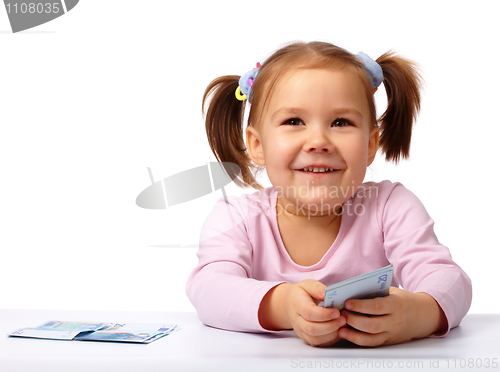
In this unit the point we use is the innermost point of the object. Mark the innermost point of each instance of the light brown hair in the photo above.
(225, 114)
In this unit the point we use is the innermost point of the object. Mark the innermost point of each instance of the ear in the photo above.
(373, 145)
(254, 146)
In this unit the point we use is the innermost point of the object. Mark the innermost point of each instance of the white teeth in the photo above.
(316, 170)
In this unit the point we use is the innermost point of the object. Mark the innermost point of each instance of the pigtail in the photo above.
(402, 83)
(224, 126)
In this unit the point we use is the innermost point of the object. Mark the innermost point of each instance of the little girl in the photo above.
(265, 258)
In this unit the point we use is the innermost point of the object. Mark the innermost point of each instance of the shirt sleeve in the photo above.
(221, 287)
(420, 262)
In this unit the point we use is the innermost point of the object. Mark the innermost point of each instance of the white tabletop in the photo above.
(471, 346)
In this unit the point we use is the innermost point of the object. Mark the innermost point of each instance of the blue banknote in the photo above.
(373, 284)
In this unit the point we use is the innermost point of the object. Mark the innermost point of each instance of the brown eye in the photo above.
(293, 121)
(341, 123)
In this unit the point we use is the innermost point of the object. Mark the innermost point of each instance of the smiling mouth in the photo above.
(317, 170)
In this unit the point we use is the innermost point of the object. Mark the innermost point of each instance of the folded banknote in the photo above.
(373, 284)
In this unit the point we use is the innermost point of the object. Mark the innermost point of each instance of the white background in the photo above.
(91, 99)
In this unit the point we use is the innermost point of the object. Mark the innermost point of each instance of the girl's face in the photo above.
(316, 139)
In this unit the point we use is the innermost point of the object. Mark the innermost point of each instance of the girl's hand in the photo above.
(401, 316)
(314, 324)
(295, 306)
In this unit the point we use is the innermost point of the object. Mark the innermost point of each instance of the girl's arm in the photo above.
(220, 287)
(437, 292)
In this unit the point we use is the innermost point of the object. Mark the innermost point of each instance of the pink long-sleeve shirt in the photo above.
(242, 255)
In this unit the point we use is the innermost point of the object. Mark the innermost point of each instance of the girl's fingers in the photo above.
(363, 323)
(374, 306)
(314, 313)
(319, 329)
(362, 338)
(314, 288)
(322, 340)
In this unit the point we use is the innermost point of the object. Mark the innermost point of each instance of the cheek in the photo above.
(356, 153)
(278, 157)
(278, 150)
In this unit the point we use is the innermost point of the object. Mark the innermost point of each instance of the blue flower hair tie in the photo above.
(372, 68)
(246, 83)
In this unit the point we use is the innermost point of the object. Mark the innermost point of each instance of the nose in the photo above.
(318, 141)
